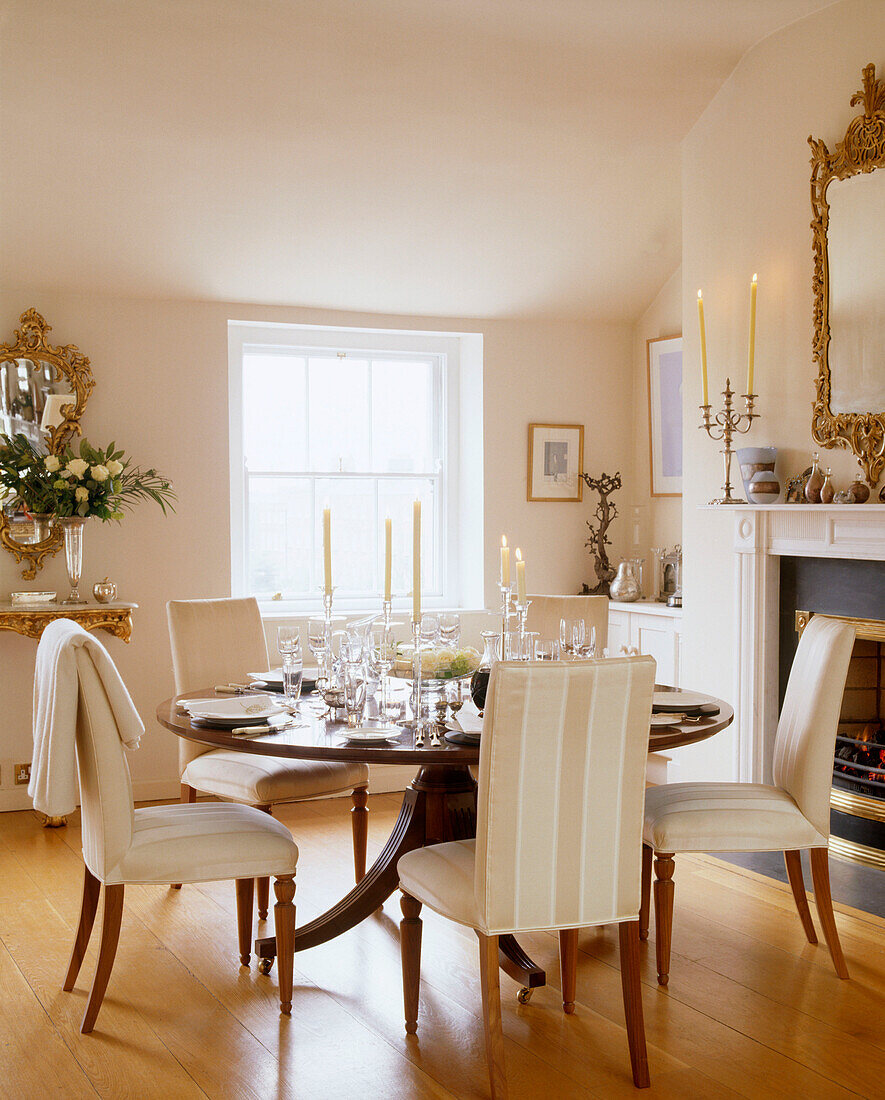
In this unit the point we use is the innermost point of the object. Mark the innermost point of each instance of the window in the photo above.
(364, 421)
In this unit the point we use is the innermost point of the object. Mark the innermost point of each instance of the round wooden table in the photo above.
(438, 805)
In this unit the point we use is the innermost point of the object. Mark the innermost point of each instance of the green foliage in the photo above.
(94, 481)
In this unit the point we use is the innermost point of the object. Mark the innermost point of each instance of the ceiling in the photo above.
(475, 158)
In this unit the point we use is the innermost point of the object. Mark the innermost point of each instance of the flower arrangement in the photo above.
(94, 482)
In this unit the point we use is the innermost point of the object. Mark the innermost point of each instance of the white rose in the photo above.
(115, 468)
(77, 467)
(81, 493)
(100, 473)
(51, 463)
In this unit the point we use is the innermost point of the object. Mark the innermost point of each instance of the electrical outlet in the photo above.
(22, 774)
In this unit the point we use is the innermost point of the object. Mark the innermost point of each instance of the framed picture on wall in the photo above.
(556, 459)
(665, 415)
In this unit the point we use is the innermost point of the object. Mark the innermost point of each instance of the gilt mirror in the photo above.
(43, 392)
(848, 203)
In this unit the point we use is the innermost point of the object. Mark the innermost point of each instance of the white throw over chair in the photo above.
(123, 846)
(788, 816)
(545, 613)
(558, 834)
(221, 641)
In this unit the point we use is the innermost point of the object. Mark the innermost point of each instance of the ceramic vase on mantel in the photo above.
(72, 528)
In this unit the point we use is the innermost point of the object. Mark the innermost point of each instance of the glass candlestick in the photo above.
(327, 636)
(522, 610)
(416, 685)
(506, 593)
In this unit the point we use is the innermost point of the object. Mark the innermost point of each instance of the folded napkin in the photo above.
(54, 786)
(468, 719)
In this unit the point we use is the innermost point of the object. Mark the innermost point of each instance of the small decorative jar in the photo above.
(625, 587)
(764, 488)
(860, 489)
(827, 492)
(815, 481)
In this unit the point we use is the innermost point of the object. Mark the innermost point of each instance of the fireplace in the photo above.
(857, 797)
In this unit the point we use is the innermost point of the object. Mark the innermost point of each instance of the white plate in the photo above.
(661, 721)
(678, 700)
(252, 708)
(372, 735)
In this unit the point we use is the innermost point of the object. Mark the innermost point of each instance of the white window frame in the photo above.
(459, 554)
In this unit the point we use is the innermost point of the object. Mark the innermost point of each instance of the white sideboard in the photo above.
(654, 629)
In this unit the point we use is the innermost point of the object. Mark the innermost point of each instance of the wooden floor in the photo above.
(751, 1009)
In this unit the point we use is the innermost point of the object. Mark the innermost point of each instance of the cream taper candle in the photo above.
(416, 562)
(520, 577)
(752, 352)
(703, 346)
(327, 549)
(505, 563)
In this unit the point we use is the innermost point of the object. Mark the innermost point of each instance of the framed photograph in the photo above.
(665, 415)
(556, 459)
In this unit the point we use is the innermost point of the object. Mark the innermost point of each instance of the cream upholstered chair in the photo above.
(558, 834)
(220, 641)
(151, 846)
(545, 612)
(791, 815)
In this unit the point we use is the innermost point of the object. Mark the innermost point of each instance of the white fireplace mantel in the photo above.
(762, 534)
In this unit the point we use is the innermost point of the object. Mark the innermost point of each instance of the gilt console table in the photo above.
(32, 619)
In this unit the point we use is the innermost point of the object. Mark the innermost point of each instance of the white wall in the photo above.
(746, 208)
(161, 392)
(654, 521)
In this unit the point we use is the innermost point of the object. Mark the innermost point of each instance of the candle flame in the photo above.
(518, 554)
(754, 276)
(700, 295)
(503, 540)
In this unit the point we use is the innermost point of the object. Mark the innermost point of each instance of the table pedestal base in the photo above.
(439, 805)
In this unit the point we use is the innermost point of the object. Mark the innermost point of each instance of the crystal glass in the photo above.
(316, 643)
(572, 633)
(354, 694)
(382, 654)
(289, 645)
(546, 649)
(72, 526)
(429, 629)
(450, 629)
(479, 682)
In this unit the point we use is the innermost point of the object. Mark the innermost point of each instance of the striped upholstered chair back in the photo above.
(561, 793)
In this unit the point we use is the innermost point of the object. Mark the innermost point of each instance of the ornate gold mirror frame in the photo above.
(861, 150)
(30, 343)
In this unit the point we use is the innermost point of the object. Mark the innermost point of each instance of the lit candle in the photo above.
(416, 562)
(505, 563)
(387, 558)
(520, 577)
(752, 355)
(327, 548)
(703, 345)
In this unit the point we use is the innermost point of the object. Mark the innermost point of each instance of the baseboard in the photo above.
(15, 799)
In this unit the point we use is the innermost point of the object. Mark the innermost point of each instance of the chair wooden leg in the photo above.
(410, 928)
(628, 934)
(645, 894)
(491, 1014)
(568, 967)
(88, 907)
(188, 795)
(793, 860)
(820, 877)
(245, 892)
(262, 885)
(284, 926)
(664, 889)
(359, 819)
(110, 935)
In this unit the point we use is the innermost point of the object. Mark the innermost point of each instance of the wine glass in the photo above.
(429, 632)
(450, 629)
(289, 645)
(316, 642)
(565, 637)
(382, 654)
(354, 692)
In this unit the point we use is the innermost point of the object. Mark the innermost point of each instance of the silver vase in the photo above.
(72, 526)
(625, 587)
